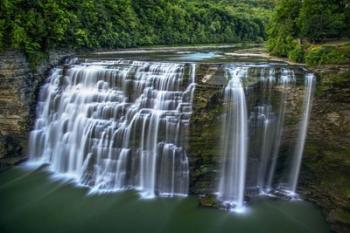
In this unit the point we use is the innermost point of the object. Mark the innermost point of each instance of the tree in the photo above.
(320, 19)
(283, 27)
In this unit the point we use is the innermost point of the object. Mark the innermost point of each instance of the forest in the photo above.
(289, 26)
(39, 25)
(298, 28)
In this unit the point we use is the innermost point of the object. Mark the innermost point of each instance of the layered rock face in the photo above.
(205, 129)
(325, 176)
(19, 85)
(325, 172)
(16, 80)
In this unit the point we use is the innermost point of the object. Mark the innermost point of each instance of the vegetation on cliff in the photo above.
(299, 29)
(39, 25)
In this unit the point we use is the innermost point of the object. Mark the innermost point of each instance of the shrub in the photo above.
(297, 54)
(320, 55)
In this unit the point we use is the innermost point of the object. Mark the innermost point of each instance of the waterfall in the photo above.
(234, 141)
(299, 148)
(120, 125)
(117, 125)
(256, 135)
(286, 79)
(265, 121)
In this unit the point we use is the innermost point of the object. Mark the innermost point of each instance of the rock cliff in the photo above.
(325, 176)
(19, 85)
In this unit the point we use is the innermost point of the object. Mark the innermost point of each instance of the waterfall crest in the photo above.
(117, 125)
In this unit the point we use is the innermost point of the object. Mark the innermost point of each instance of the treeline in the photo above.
(297, 25)
(39, 25)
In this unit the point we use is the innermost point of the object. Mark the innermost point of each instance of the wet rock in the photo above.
(209, 201)
(6, 163)
(325, 175)
(19, 86)
(340, 220)
(205, 132)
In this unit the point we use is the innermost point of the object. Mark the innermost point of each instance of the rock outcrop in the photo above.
(19, 85)
(325, 176)
(205, 128)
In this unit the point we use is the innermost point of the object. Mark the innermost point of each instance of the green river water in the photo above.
(31, 201)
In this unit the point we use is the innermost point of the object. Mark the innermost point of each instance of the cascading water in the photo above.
(234, 146)
(117, 125)
(257, 138)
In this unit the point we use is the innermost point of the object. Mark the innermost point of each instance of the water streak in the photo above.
(234, 147)
(299, 148)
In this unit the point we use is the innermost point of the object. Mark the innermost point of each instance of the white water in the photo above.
(117, 125)
(234, 141)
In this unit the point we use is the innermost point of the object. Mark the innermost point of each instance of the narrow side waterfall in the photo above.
(299, 148)
(117, 125)
(285, 83)
(234, 141)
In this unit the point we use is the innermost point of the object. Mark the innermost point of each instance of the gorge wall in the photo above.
(325, 175)
(19, 85)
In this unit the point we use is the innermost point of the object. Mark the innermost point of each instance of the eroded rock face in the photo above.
(19, 85)
(325, 177)
(15, 76)
(205, 129)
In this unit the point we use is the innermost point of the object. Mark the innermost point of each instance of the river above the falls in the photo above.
(32, 201)
(202, 54)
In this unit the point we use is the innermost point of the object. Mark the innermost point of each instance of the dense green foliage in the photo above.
(38, 25)
(283, 27)
(297, 24)
(324, 55)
